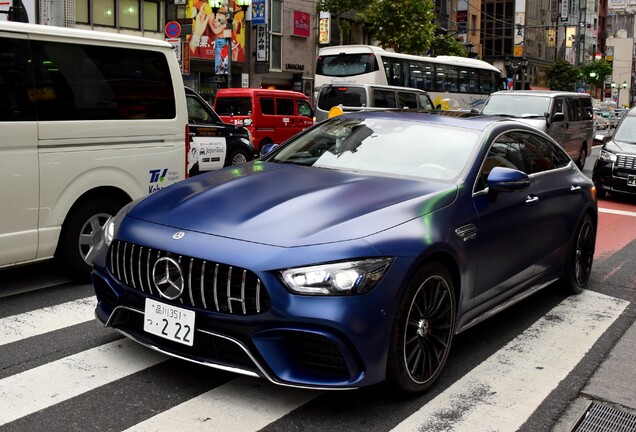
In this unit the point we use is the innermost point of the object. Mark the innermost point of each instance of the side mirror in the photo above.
(557, 117)
(503, 179)
(475, 111)
(268, 148)
(602, 138)
(247, 122)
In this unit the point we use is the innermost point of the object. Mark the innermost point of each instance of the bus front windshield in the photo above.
(344, 65)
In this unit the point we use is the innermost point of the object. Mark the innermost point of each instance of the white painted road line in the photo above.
(30, 391)
(503, 391)
(617, 212)
(28, 324)
(243, 405)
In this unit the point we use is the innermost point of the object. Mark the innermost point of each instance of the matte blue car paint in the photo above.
(299, 216)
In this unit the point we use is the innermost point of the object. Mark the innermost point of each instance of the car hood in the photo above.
(289, 205)
(616, 146)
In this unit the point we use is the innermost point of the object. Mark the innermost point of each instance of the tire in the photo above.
(423, 331)
(582, 157)
(238, 157)
(578, 264)
(81, 232)
(600, 193)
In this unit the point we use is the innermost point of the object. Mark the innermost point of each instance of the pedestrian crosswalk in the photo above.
(498, 394)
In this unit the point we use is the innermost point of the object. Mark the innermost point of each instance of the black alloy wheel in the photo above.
(578, 266)
(423, 331)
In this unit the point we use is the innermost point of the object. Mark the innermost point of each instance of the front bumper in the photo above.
(614, 176)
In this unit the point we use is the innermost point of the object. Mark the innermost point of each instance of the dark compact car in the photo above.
(615, 167)
(213, 144)
(353, 253)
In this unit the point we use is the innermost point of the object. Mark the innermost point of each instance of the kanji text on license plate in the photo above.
(169, 322)
(631, 180)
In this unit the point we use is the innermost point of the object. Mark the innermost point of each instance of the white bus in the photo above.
(452, 82)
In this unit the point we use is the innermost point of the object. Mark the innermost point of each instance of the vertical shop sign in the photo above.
(261, 43)
(259, 14)
(324, 25)
(301, 24)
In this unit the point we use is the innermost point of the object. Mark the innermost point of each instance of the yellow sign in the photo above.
(518, 52)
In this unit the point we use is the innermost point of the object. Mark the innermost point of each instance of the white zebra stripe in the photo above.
(242, 405)
(30, 391)
(503, 391)
(37, 322)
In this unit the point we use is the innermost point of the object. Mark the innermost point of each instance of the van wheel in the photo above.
(238, 157)
(582, 156)
(81, 233)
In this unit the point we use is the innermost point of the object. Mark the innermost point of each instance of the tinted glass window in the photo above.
(87, 82)
(504, 152)
(199, 113)
(407, 100)
(384, 99)
(16, 81)
(267, 105)
(346, 65)
(304, 109)
(284, 106)
(570, 109)
(233, 106)
(346, 96)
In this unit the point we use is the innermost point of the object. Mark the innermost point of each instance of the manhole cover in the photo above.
(602, 418)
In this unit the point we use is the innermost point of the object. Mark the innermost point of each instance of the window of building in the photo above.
(128, 14)
(276, 33)
(104, 12)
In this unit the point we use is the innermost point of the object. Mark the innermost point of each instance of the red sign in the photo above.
(173, 29)
(301, 24)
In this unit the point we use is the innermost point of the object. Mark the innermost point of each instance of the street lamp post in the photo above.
(624, 86)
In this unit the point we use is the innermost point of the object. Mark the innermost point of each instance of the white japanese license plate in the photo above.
(169, 322)
(631, 180)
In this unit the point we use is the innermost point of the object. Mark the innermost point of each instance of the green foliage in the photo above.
(562, 76)
(404, 25)
(595, 73)
(448, 45)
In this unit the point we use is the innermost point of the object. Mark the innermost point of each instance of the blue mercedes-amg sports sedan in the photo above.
(351, 254)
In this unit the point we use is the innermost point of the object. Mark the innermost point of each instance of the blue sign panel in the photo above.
(259, 12)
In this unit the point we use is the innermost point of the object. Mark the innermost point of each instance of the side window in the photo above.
(16, 81)
(542, 155)
(506, 152)
(558, 106)
(304, 109)
(267, 105)
(384, 99)
(229, 106)
(570, 109)
(199, 113)
(91, 82)
(284, 106)
(407, 100)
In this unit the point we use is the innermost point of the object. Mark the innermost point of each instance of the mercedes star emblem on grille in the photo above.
(178, 235)
(168, 279)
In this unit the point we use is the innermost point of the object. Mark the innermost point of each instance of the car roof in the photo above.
(378, 86)
(548, 93)
(251, 91)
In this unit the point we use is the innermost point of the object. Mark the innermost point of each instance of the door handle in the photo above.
(575, 188)
(532, 200)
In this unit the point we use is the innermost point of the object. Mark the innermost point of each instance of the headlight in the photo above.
(109, 231)
(343, 278)
(606, 156)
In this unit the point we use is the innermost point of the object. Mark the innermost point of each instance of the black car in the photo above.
(213, 144)
(615, 168)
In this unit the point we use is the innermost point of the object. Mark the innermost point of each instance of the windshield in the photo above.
(626, 131)
(517, 105)
(382, 146)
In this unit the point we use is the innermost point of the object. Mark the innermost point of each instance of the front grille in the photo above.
(208, 285)
(626, 162)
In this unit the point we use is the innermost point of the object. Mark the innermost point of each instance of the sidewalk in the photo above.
(611, 390)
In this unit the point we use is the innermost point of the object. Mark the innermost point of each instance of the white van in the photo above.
(88, 122)
(355, 97)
